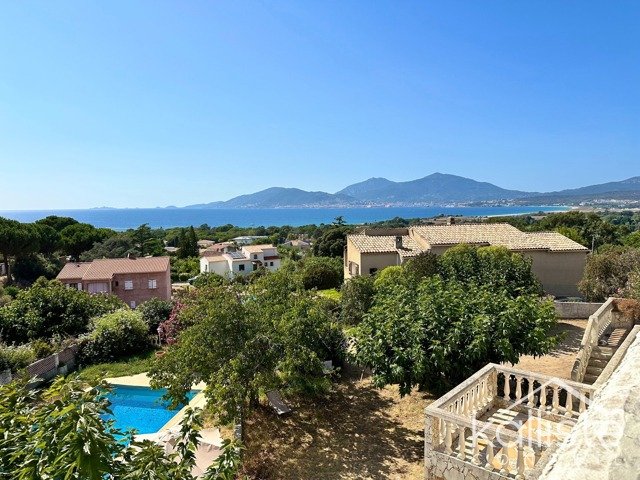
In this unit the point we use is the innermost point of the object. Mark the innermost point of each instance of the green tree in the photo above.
(434, 334)
(187, 243)
(57, 223)
(50, 308)
(632, 240)
(79, 237)
(16, 239)
(113, 247)
(607, 272)
(59, 433)
(114, 335)
(321, 272)
(331, 243)
(356, 300)
(496, 267)
(421, 266)
(155, 311)
(244, 340)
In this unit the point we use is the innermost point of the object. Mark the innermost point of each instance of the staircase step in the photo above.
(594, 370)
(590, 378)
(601, 356)
(604, 349)
(597, 362)
(617, 337)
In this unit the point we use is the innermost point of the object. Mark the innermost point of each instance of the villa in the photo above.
(133, 280)
(241, 262)
(557, 261)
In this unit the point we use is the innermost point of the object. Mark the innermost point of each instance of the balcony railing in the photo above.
(459, 424)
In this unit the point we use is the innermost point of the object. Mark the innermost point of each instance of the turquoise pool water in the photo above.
(140, 407)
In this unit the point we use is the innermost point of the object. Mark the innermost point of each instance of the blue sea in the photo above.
(122, 219)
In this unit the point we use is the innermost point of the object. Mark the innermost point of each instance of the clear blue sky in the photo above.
(150, 103)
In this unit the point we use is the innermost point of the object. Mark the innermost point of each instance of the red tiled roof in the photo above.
(106, 268)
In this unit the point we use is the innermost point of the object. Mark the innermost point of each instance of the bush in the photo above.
(423, 265)
(28, 269)
(49, 308)
(15, 358)
(154, 312)
(115, 335)
(607, 273)
(42, 348)
(212, 279)
(357, 297)
(321, 272)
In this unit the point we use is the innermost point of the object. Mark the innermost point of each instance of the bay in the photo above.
(122, 219)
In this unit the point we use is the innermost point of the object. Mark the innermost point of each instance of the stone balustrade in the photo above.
(460, 435)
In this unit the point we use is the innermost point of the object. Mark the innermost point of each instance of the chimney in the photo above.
(399, 242)
(131, 256)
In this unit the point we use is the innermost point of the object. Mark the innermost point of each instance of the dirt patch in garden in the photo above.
(356, 432)
(559, 362)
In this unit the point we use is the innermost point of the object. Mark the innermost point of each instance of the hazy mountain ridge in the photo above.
(434, 189)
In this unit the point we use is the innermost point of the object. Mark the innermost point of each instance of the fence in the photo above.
(47, 368)
(576, 309)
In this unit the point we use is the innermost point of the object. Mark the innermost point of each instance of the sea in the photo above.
(123, 219)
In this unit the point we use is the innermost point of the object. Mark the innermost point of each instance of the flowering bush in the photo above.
(169, 329)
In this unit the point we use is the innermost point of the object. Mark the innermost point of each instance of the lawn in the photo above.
(331, 293)
(128, 366)
(355, 432)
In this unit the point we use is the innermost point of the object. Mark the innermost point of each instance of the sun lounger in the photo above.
(276, 402)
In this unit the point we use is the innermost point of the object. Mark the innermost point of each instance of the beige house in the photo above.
(557, 261)
(133, 280)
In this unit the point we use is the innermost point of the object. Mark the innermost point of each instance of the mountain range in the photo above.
(434, 189)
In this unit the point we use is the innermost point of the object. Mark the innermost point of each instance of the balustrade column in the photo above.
(520, 461)
(475, 459)
(543, 397)
(518, 387)
(507, 387)
(447, 438)
(568, 406)
(461, 442)
(530, 398)
(555, 402)
(489, 464)
(582, 406)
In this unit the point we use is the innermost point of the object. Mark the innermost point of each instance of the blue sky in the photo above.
(152, 103)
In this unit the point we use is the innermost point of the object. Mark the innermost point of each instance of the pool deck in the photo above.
(142, 380)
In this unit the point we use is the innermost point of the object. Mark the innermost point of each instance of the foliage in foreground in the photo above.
(59, 433)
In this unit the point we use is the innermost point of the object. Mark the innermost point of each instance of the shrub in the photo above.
(321, 272)
(607, 272)
(42, 348)
(15, 358)
(115, 335)
(169, 329)
(205, 279)
(357, 297)
(49, 308)
(154, 312)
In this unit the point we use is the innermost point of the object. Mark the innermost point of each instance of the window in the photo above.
(241, 268)
(128, 284)
(271, 264)
(98, 288)
(133, 304)
(372, 271)
(255, 256)
(255, 267)
(153, 283)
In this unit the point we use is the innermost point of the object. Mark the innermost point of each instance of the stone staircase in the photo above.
(602, 353)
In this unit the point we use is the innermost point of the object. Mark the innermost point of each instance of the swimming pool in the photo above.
(141, 408)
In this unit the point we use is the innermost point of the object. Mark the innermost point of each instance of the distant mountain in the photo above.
(434, 188)
(629, 185)
(278, 197)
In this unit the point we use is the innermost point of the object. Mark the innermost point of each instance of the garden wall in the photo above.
(576, 309)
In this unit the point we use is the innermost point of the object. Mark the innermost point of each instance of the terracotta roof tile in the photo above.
(73, 270)
(385, 244)
(106, 268)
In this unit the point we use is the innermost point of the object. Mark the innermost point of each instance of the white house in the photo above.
(242, 262)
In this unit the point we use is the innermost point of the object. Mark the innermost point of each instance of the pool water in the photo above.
(141, 408)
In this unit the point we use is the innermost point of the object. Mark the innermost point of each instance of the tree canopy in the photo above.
(244, 340)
